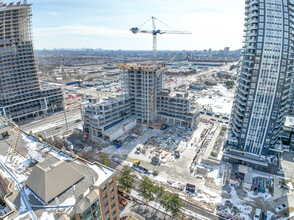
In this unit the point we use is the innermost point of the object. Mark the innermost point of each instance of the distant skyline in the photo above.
(105, 24)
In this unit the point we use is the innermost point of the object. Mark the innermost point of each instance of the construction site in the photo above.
(143, 101)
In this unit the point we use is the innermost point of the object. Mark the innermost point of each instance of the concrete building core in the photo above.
(143, 101)
(22, 96)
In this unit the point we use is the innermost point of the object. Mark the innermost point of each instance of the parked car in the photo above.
(257, 214)
(280, 208)
(280, 172)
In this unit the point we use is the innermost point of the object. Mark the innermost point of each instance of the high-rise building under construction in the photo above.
(143, 101)
(22, 96)
(262, 98)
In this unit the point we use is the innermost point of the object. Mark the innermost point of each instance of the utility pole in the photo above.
(45, 135)
(65, 118)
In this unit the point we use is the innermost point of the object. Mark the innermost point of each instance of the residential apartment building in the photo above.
(262, 98)
(143, 101)
(175, 108)
(22, 96)
(142, 83)
(291, 112)
(101, 115)
(58, 184)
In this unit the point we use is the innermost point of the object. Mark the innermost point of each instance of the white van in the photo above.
(257, 214)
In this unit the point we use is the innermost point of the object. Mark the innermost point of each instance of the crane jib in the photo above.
(154, 32)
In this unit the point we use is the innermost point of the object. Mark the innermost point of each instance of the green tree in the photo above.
(159, 193)
(126, 179)
(173, 203)
(233, 67)
(41, 137)
(229, 84)
(104, 159)
(147, 189)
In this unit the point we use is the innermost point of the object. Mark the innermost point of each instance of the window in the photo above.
(103, 188)
(95, 204)
(107, 211)
(110, 181)
(112, 206)
(104, 196)
(111, 189)
(112, 197)
(106, 204)
(108, 218)
(97, 214)
(114, 212)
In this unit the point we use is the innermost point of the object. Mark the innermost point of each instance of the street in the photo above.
(54, 124)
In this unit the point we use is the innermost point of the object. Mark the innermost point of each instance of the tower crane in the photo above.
(154, 32)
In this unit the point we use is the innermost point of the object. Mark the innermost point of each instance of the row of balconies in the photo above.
(172, 107)
(168, 102)
(27, 72)
(16, 56)
(19, 83)
(20, 65)
(175, 113)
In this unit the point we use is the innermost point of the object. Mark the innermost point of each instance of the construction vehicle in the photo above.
(154, 32)
(155, 172)
(190, 188)
(78, 131)
(177, 154)
(143, 167)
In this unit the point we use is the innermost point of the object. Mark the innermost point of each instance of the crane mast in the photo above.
(154, 39)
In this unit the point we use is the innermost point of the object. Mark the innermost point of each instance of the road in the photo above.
(200, 212)
(54, 124)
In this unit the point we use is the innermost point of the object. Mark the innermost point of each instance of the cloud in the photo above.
(52, 13)
(80, 30)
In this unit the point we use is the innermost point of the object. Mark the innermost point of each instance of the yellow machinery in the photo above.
(136, 162)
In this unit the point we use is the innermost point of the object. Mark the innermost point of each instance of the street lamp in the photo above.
(65, 118)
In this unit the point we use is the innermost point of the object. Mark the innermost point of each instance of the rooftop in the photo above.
(146, 67)
(51, 177)
(36, 183)
(289, 121)
(4, 6)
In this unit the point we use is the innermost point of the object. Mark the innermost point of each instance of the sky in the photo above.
(105, 24)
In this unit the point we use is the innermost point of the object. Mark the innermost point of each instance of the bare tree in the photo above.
(79, 77)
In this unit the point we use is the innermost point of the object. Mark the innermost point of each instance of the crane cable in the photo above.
(145, 22)
(166, 24)
(158, 21)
